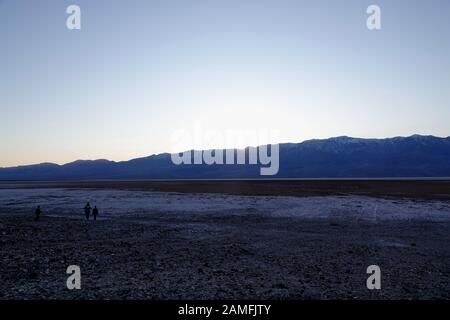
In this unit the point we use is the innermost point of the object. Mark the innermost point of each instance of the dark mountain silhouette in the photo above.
(340, 157)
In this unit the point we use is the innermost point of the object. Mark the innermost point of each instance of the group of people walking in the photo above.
(87, 212)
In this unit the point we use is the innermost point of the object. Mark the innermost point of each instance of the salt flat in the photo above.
(167, 245)
(116, 203)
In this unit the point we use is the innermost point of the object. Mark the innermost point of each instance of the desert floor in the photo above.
(180, 245)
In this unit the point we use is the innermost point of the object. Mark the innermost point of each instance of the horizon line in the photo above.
(164, 153)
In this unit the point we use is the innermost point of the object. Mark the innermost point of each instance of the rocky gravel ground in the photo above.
(222, 256)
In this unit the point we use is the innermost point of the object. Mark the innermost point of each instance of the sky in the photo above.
(142, 76)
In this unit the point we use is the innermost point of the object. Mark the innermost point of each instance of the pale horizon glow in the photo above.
(138, 71)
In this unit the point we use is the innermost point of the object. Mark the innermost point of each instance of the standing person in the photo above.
(87, 210)
(95, 212)
(37, 213)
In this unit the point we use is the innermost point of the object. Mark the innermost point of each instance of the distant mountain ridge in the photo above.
(339, 157)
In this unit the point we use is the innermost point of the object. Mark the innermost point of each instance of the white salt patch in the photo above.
(123, 202)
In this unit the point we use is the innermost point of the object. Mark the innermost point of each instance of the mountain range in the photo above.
(339, 157)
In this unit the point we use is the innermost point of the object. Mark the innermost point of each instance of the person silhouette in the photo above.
(87, 210)
(95, 212)
(37, 213)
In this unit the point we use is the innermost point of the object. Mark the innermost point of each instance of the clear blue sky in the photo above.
(138, 70)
